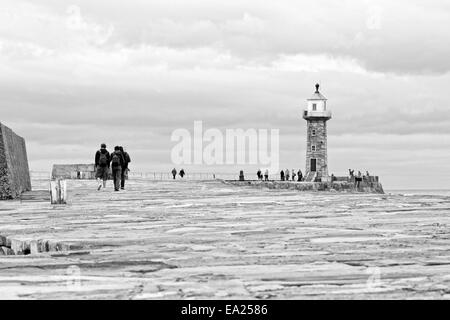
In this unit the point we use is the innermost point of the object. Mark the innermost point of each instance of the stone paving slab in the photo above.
(204, 240)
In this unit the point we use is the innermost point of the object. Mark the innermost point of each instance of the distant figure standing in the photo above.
(282, 175)
(117, 161)
(266, 175)
(287, 175)
(174, 173)
(241, 175)
(300, 175)
(293, 175)
(125, 169)
(182, 173)
(102, 159)
(367, 174)
(259, 174)
(358, 179)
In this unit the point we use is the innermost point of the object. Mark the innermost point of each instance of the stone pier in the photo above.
(209, 240)
(14, 172)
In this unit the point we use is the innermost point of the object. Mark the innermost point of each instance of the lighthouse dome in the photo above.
(317, 95)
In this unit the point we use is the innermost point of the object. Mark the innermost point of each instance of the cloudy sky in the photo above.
(74, 74)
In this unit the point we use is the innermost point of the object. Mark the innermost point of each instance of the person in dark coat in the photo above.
(174, 173)
(259, 174)
(299, 175)
(102, 160)
(282, 175)
(125, 169)
(117, 161)
(182, 173)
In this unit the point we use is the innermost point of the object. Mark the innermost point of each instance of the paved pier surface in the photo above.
(170, 240)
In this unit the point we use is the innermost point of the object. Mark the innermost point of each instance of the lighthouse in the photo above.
(316, 116)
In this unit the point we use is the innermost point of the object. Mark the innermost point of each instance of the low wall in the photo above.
(14, 172)
(73, 171)
(336, 186)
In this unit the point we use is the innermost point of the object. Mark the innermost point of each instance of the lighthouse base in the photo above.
(314, 176)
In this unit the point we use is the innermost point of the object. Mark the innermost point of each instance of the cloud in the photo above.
(317, 63)
(378, 36)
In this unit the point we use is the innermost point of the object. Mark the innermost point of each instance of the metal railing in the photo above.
(187, 176)
(161, 176)
(40, 174)
(157, 175)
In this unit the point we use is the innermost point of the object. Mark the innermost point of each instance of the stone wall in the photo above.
(73, 171)
(336, 186)
(14, 172)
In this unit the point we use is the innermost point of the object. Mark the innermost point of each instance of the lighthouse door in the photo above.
(313, 164)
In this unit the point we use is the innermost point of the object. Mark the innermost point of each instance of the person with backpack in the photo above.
(102, 159)
(125, 169)
(117, 161)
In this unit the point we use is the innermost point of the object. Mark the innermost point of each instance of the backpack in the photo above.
(127, 157)
(103, 159)
(115, 160)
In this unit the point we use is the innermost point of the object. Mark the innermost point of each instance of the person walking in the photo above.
(293, 175)
(299, 175)
(102, 159)
(174, 173)
(266, 175)
(182, 173)
(282, 175)
(117, 161)
(124, 173)
(259, 174)
(351, 173)
(287, 174)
